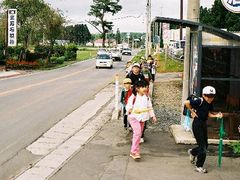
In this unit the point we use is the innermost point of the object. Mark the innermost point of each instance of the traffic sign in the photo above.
(232, 5)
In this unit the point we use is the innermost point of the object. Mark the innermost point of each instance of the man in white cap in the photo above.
(201, 109)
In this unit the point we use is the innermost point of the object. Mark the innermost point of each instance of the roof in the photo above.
(196, 25)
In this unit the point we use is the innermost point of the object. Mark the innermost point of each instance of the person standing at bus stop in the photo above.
(201, 109)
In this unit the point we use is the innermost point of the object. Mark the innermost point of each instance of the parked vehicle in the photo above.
(104, 60)
(116, 54)
(126, 51)
(176, 49)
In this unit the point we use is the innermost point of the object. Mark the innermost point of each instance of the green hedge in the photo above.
(57, 60)
(71, 52)
(58, 50)
(236, 147)
(2, 57)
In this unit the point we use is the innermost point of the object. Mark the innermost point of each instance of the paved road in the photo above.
(32, 104)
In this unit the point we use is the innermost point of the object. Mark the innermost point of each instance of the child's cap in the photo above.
(127, 80)
(145, 65)
(209, 90)
(136, 65)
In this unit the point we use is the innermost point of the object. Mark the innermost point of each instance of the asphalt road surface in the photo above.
(30, 105)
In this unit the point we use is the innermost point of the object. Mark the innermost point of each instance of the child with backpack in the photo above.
(146, 73)
(201, 109)
(139, 109)
(125, 94)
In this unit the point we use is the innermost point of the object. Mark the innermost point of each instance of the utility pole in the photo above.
(148, 45)
(181, 17)
(192, 15)
(150, 28)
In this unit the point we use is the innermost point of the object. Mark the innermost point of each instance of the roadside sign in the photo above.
(12, 27)
(232, 5)
(165, 29)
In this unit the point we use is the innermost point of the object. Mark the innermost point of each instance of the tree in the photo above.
(82, 34)
(28, 11)
(53, 23)
(35, 20)
(78, 34)
(218, 16)
(118, 36)
(100, 9)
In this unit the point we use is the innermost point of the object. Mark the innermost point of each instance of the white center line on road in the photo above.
(42, 83)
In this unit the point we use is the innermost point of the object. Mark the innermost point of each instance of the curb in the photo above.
(10, 75)
(186, 137)
(73, 133)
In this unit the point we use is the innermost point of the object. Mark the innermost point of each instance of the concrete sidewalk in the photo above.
(106, 157)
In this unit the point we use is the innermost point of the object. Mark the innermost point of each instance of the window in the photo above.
(103, 56)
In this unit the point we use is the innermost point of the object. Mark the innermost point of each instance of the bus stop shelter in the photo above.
(214, 60)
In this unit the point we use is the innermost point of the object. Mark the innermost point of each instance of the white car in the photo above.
(116, 55)
(126, 51)
(104, 60)
(102, 51)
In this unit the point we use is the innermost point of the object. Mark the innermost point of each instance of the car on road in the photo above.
(116, 54)
(126, 51)
(104, 60)
(102, 51)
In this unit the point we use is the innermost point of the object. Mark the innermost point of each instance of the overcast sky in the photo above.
(132, 16)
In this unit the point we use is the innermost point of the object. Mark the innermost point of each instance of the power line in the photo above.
(125, 17)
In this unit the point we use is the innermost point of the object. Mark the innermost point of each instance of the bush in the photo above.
(41, 62)
(70, 55)
(34, 56)
(236, 147)
(72, 47)
(53, 59)
(60, 60)
(42, 50)
(57, 60)
(14, 52)
(58, 50)
(71, 52)
(2, 57)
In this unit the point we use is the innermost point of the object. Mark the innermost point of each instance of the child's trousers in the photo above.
(200, 134)
(125, 121)
(137, 127)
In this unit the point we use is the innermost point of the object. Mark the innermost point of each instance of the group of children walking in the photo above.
(137, 105)
(137, 109)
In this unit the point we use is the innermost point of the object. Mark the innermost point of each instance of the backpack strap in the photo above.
(134, 99)
(201, 101)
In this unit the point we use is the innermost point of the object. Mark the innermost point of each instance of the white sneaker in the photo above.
(191, 157)
(142, 140)
(201, 170)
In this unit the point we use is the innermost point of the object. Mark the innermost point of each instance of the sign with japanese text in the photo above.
(12, 27)
(232, 5)
(165, 29)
